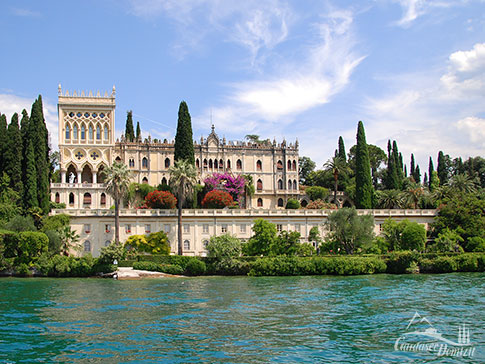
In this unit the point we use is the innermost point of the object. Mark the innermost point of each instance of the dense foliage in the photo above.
(217, 199)
(184, 142)
(154, 243)
(160, 200)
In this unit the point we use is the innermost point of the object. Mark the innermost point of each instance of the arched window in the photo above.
(87, 199)
(280, 184)
(144, 180)
(186, 245)
(131, 162)
(228, 165)
(295, 185)
(204, 243)
(83, 132)
(289, 165)
(106, 133)
(71, 175)
(280, 202)
(164, 181)
(205, 163)
(74, 131)
(144, 162)
(259, 166)
(87, 174)
(91, 132)
(238, 165)
(221, 164)
(107, 243)
(210, 163)
(304, 203)
(197, 163)
(71, 199)
(216, 164)
(87, 246)
(118, 159)
(58, 197)
(68, 132)
(260, 202)
(259, 185)
(167, 162)
(279, 165)
(103, 199)
(294, 165)
(101, 175)
(290, 185)
(98, 132)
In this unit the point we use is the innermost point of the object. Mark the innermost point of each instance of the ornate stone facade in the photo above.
(87, 145)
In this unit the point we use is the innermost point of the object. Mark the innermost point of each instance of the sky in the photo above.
(412, 70)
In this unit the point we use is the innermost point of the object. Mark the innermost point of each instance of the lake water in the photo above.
(235, 319)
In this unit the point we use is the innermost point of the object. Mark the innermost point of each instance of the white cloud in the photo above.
(10, 104)
(25, 12)
(474, 128)
(413, 9)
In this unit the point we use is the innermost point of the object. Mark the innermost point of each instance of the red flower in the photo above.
(217, 199)
(160, 200)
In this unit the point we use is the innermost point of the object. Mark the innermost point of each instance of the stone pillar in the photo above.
(78, 176)
(95, 177)
(63, 177)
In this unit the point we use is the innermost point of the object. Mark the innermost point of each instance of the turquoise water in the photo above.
(234, 319)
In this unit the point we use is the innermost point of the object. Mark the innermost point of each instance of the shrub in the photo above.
(160, 200)
(315, 193)
(444, 265)
(55, 222)
(320, 205)
(112, 252)
(466, 263)
(217, 199)
(23, 270)
(264, 236)
(413, 236)
(154, 243)
(305, 250)
(55, 242)
(224, 246)
(292, 204)
(401, 262)
(229, 267)
(171, 269)
(475, 244)
(195, 267)
(447, 241)
(21, 223)
(152, 266)
(62, 266)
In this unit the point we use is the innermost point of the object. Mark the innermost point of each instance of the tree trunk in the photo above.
(180, 246)
(335, 176)
(117, 220)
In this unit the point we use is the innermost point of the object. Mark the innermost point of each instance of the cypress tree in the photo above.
(430, 172)
(38, 134)
(363, 180)
(184, 142)
(405, 171)
(24, 132)
(425, 181)
(30, 184)
(442, 168)
(13, 155)
(138, 131)
(412, 165)
(391, 177)
(417, 175)
(3, 141)
(341, 149)
(129, 131)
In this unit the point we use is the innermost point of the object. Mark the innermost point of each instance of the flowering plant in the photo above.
(216, 199)
(160, 200)
(234, 185)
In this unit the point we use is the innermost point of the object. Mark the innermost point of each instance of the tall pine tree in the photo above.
(138, 131)
(3, 142)
(363, 180)
(13, 155)
(412, 165)
(430, 172)
(129, 131)
(417, 174)
(442, 168)
(184, 142)
(392, 182)
(30, 197)
(341, 149)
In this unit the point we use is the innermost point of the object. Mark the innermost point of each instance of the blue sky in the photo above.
(411, 70)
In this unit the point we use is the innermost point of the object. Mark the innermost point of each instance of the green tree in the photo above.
(129, 131)
(138, 131)
(184, 143)
(348, 230)
(13, 155)
(253, 138)
(286, 243)
(69, 238)
(417, 174)
(3, 141)
(337, 167)
(392, 180)
(412, 166)
(463, 183)
(376, 157)
(390, 199)
(182, 181)
(292, 204)
(443, 167)
(224, 246)
(305, 166)
(363, 181)
(430, 173)
(264, 236)
(316, 193)
(341, 149)
(413, 194)
(117, 179)
(30, 182)
(447, 241)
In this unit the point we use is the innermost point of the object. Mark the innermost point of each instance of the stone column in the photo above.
(78, 176)
(95, 177)
(63, 177)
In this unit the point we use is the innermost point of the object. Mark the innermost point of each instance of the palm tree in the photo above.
(338, 166)
(413, 194)
(390, 199)
(463, 183)
(182, 180)
(68, 239)
(117, 179)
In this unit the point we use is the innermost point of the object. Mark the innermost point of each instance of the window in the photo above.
(204, 243)
(87, 246)
(280, 202)
(167, 163)
(131, 163)
(279, 165)
(128, 228)
(224, 228)
(205, 163)
(58, 197)
(74, 131)
(228, 165)
(71, 199)
(216, 164)
(91, 132)
(295, 185)
(205, 229)
(107, 243)
(186, 245)
(197, 163)
(290, 184)
(259, 185)
(238, 165)
(68, 132)
(242, 228)
(164, 181)
(280, 184)
(260, 202)
(148, 228)
(210, 163)
(166, 228)
(107, 228)
(106, 135)
(87, 228)
(83, 132)
(186, 228)
(103, 199)
(144, 162)
(87, 199)
(259, 166)
(98, 132)
(279, 228)
(289, 165)
(144, 180)
(221, 164)
(294, 165)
